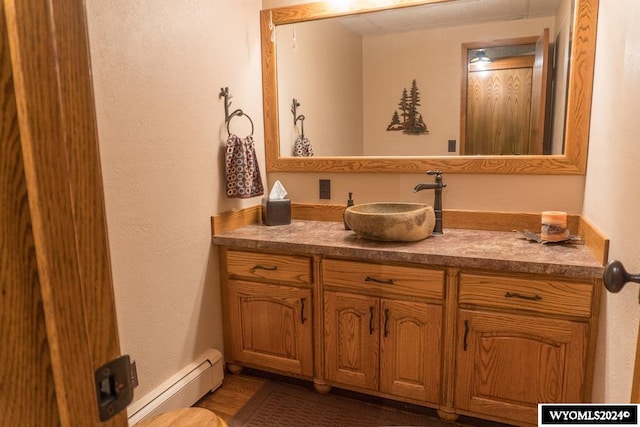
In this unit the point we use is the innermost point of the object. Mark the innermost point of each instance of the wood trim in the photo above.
(317, 212)
(505, 63)
(48, 43)
(499, 221)
(635, 387)
(592, 340)
(76, 91)
(580, 88)
(310, 11)
(225, 298)
(573, 162)
(595, 240)
(464, 88)
(25, 358)
(319, 375)
(227, 221)
(447, 410)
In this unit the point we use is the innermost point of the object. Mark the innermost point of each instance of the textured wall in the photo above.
(611, 196)
(158, 67)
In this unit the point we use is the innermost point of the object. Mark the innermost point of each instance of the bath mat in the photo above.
(279, 404)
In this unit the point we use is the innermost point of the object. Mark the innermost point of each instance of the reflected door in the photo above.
(505, 99)
(499, 107)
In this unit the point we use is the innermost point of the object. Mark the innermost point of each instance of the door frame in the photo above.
(51, 74)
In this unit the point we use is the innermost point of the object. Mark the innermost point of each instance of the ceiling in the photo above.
(460, 12)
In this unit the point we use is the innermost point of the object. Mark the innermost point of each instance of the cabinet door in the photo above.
(410, 349)
(272, 326)
(351, 339)
(507, 363)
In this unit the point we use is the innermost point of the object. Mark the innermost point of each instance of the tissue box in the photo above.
(276, 212)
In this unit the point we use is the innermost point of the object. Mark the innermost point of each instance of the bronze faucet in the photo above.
(437, 203)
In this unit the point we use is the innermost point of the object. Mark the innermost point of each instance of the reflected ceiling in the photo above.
(448, 14)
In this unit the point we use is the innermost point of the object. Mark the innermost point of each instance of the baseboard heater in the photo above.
(181, 390)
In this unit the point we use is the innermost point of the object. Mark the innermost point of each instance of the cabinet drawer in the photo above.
(264, 266)
(410, 281)
(551, 296)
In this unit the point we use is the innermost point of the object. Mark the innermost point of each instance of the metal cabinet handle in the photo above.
(265, 267)
(371, 313)
(386, 321)
(383, 281)
(534, 297)
(302, 318)
(466, 333)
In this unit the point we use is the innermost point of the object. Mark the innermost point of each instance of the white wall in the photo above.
(158, 67)
(612, 200)
(324, 73)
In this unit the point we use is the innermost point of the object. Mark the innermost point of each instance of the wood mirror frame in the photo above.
(578, 109)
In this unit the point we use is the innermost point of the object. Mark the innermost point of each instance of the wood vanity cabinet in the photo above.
(521, 341)
(383, 328)
(267, 305)
(486, 343)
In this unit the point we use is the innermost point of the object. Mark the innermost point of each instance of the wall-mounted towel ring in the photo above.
(224, 93)
(294, 108)
(240, 113)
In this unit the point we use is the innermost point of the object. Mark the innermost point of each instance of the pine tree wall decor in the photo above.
(409, 120)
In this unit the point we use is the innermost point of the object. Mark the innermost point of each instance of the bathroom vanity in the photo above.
(473, 322)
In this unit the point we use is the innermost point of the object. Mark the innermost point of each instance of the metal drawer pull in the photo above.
(302, 318)
(373, 279)
(264, 267)
(370, 320)
(535, 297)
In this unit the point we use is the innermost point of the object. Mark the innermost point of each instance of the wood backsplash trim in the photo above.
(595, 240)
(470, 220)
(227, 221)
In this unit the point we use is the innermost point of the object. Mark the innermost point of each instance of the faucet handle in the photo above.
(438, 175)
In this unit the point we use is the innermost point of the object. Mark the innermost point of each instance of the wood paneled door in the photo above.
(57, 314)
(504, 102)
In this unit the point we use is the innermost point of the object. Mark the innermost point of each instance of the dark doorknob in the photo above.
(615, 276)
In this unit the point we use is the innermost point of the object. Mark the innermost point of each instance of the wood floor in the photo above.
(235, 392)
(238, 389)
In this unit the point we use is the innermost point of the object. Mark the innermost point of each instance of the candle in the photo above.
(554, 226)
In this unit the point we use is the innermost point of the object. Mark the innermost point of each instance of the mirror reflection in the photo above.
(405, 82)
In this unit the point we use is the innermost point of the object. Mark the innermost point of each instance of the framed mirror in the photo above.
(280, 129)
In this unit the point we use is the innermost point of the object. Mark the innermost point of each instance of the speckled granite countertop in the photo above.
(493, 250)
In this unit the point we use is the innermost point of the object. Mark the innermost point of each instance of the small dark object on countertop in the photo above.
(571, 240)
(276, 212)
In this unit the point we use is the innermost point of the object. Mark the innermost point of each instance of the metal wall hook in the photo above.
(294, 108)
(224, 93)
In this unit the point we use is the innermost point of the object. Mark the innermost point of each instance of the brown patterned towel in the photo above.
(302, 147)
(242, 170)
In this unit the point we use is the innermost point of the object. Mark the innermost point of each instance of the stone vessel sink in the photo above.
(391, 222)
